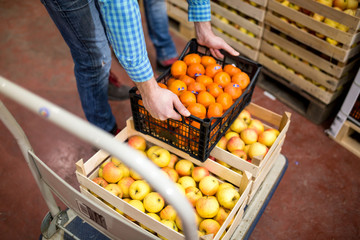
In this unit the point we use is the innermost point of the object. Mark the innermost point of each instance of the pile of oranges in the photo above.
(204, 87)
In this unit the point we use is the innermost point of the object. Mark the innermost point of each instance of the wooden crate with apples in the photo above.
(240, 23)
(304, 43)
(95, 166)
(259, 166)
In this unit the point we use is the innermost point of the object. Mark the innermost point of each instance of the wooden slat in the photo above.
(246, 8)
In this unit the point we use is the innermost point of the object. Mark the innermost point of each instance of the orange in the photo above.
(177, 87)
(204, 80)
(170, 81)
(212, 69)
(231, 69)
(234, 90)
(186, 79)
(195, 70)
(205, 98)
(197, 110)
(187, 98)
(225, 100)
(222, 78)
(196, 87)
(178, 68)
(162, 85)
(207, 60)
(214, 89)
(192, 58)
(242, 79)
(215, 110)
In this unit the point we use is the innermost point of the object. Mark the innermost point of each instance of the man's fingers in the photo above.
(181, 108)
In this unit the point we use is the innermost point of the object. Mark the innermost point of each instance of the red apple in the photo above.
(257, 125)
(235, 143)
(173, 160)
(240, 153)
(207, 206)
(100, 181)
(222, 143)
(267, 138)
(125, 184)
(199, 173)
(192, 193)
(137, 142)
(249, 136)
(172, 173)
(184, 167)
(209, 226)
(111, 173)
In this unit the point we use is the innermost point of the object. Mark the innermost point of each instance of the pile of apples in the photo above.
(247, 138)
(212, 199)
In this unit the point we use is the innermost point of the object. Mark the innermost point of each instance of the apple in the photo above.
(238, 125)
(222, 143)
(198, 220)
(224, 185)
(231, 134)
(275, 131)
(171, 173)
(111, 173)
(267, 138)
(114, 189)
(138, 205)
(328, 3)
(223, 163)
(184, 167)
(199, 173)
(170, 224)
(125, 184)
(257, 149)
(160, 156)
(100, 181)
(135, 175)
(257, 125)
(342, 4)
(153, 202)
(137, 142)
(249, 136)
(352, 4)
(125, 170)
(240, 153)
(331, 23)
(186, 181)
(180, 187)
(228, 197)
(116, 161)
(331, 41)
(237, 170)
(168, 213)
(139, 189)
(193, 194)
(207, 206)
(209, 226)
(222, 214)
(208, 185)
(154, 216)
(173, 160)
(235, 143)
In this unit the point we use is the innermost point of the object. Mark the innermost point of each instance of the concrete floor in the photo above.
(318, 198)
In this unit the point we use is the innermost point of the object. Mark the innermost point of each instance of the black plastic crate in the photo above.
(193, 135)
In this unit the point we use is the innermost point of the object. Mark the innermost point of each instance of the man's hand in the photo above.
(160, 102)
(206, 37)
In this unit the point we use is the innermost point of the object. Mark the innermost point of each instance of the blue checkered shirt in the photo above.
(124, 29)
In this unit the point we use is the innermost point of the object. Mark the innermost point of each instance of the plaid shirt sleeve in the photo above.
(199, 11)
(124, 29)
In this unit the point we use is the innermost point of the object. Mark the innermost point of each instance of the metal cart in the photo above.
(83, 216)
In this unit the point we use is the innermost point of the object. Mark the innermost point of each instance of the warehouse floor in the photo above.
(318, 197)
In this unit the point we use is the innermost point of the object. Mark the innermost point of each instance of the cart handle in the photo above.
(104, 140)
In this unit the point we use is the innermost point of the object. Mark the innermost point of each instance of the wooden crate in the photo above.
(89, 170)
(349, 137)
(307, 61)
(259, 168)
(178, 18)
(240, 23)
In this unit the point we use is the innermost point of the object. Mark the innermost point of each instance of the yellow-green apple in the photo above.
(116, 161)
(168, 212)
(161, 157)
(257, 149)
(207, 206)
(100, 172)
(243, 30)
(275, 131)
(154, 216)
(257, 125)
(285, 3)
(135, 175)
(153, 202)
(171, 173)
(223, 163)
(224, 185)
(180, 187)
(137, 142)
(352, 4)
(125, 170)
(222, 143)
(151, 150)
(199, 173)
(228, 197)
(331, 22)
(235, 143)
(138, 205)
(173, 160)
(342, 4)
(267, 138)
(139, 189)
(238, 125)
(209, 226)
(222, 214)
(100, 181)
(328, 3)
(331, 41)
(192, 193)
(240, 153)
(170, 224)
(184, 167)
(186, 181)
(198, 219)
(209, 185)
(111, 173)
(125, 184)
(237, 170)
(231, 134)
(249, 136)
(114, 189)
